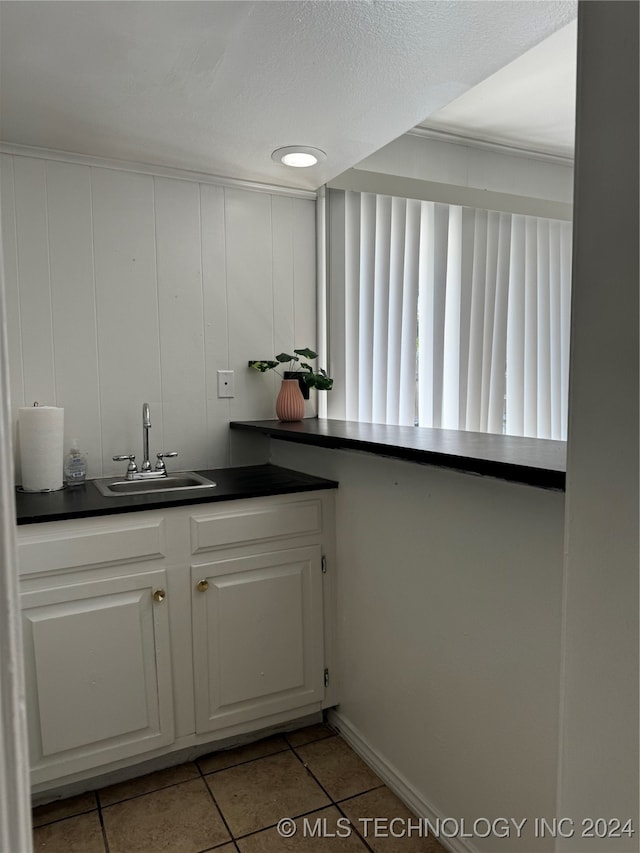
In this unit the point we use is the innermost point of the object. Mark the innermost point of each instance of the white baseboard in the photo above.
(395, 781)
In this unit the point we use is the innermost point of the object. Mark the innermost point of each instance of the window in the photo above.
(448, 316)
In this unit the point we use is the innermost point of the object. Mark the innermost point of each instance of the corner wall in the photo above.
(449, 613)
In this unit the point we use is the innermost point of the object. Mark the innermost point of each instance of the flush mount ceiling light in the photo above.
(298, 156)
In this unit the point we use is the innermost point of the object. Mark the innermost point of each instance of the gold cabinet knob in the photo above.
(159, 595)
(203, 586)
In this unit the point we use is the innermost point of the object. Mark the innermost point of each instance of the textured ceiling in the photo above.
(216, 86)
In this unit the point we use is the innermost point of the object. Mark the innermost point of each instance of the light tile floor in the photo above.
(231, 802)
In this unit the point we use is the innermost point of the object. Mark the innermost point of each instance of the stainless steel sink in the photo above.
(113, 487)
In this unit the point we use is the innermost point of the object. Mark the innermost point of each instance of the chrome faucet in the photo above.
(145, 471)
(146, 426)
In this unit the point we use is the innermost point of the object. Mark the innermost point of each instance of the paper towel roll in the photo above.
(41, 436)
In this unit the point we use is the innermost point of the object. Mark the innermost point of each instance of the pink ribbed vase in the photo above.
(290, 402)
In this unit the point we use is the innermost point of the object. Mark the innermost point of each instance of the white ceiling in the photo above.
(216, 86)
(530, 103)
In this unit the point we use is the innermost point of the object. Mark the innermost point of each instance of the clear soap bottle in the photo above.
(75, 465)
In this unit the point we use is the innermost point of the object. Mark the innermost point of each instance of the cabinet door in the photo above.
(257, 633)
(98, 671)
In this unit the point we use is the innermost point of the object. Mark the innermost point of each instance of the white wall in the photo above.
(599, 746)
(450, 161)
(15, 813)
(124, 288)
(449, 614)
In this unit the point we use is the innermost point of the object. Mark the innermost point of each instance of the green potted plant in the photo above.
(297, 376)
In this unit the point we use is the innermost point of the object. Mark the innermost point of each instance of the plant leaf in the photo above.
(263, 366)
(306, 366)
(317, 380)
(306, 353)
(324, 383)
(285, 357)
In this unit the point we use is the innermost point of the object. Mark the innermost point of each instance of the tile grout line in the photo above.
(308, 770)
(164, 788)
(360, 794)
(66, 817)
(351, 823)
(230, 840)
(217, 807)
(239, 764)
(105, 839)
(274, 825)
(268, 755)
(336, 803)
(244, 763)
(146, 793)
(331, 803)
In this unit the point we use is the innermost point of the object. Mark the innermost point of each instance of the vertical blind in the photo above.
(448, 316)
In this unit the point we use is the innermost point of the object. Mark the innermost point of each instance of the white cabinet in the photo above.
(257, 636)
(153, 631)
(257, 592)
(98, 672)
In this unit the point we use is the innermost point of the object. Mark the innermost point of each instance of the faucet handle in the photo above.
(161, 457)
(131, 467)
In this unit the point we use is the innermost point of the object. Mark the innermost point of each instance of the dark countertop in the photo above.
(536, 462)
(232, 484)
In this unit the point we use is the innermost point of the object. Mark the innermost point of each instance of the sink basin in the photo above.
(185, 481)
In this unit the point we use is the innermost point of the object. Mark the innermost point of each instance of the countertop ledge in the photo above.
(84, 501)
(532, 461)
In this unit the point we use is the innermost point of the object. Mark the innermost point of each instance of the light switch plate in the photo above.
(225, 383)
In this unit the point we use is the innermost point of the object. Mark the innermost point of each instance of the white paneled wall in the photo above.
(124, 288)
